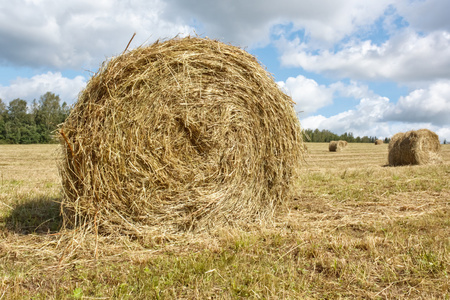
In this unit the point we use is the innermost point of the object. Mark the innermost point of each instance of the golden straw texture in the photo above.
(336, 146)
(414, 148)
(180, 135)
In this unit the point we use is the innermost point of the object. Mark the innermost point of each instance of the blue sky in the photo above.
(372, 68)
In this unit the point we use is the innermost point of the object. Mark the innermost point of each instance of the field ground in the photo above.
(356, 229)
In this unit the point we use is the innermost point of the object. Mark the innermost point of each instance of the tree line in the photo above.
(35, 124)
(326, 136)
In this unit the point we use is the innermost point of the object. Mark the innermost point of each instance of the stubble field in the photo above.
(356, 229)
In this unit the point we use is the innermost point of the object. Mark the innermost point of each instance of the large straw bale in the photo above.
(186, 133)
(379, 142)
(414, 148)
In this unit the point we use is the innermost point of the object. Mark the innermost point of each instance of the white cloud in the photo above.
(444, 134)
(36, 86)
(308, 95)
(354, 90)
(378, 116)
(249, 22)
(431, 104)
(426, 15)
(361, 121)
(368, 120)
(78, 33)
(406, 57)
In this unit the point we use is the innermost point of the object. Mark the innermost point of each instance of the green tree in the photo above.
(17, 110)
(20, 124)
(16, 121)
(3, 116)
(48, 114)
(366, 139)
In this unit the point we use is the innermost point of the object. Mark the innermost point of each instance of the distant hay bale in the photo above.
(183, 134)
(414, 148)
(379, 142)
(336, 146)
(343, 143)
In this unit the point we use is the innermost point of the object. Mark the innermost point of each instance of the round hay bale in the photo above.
(183, 134)
(379, 142)
(334, 146)
(414, 148)
(343, 143)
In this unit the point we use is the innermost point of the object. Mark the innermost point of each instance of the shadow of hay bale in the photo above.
(184, 134)
(36, 215)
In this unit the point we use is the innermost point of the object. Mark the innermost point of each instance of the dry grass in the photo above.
(357, 229)
(186, 134)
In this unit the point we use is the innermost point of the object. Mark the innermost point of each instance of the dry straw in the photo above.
(333, 146)
(336, 146)
(379, 142)
(180, 135)
(343, 143)
(414, 148)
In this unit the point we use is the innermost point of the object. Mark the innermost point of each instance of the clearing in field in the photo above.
(356, 228)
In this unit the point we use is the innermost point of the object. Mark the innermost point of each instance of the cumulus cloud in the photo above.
(74, 33)
(36, 86)
(431, 105)
(361, 121)
(368, 119)
(429, 15)
(378, 116)
(443, 133)
(308, 95)
(406, 57)
(250, 22)
(354, 90)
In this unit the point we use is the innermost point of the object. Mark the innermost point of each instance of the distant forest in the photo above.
(36, 124)
(322, 136)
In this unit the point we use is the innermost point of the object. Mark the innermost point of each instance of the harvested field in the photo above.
(356, 229)
(355, 155)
